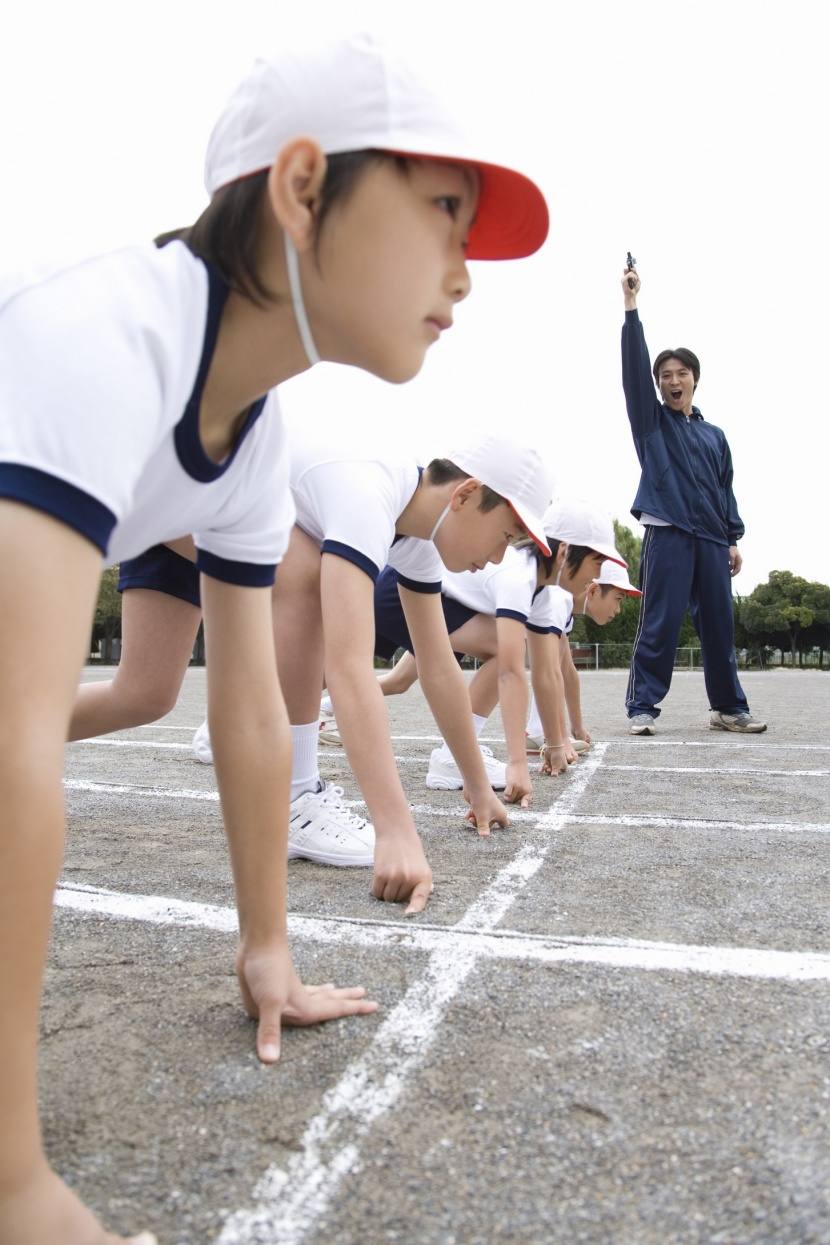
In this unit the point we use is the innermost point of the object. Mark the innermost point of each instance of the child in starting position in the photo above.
(137, 407)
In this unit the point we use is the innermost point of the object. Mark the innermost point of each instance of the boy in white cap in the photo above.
(493, 615)
(137, 406)
(355, 516)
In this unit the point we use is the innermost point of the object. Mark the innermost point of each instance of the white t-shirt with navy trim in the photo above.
(503, 590)
(102, 365)
(559, 607)
(349, 507)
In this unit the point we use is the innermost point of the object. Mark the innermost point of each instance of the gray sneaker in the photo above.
(743, 723)
(641, 724)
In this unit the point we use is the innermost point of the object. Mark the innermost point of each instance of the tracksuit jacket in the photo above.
(687, 465)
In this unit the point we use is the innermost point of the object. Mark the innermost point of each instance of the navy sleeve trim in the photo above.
(415, 585)
(56, 497)
(352, 555)
(244, 574)
(542, 630)
(522, 618)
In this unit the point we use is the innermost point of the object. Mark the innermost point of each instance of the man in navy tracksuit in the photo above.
(686, 504)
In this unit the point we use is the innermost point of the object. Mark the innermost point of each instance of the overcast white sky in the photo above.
(695, 134)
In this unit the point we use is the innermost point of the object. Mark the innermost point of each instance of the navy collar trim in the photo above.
(189, 449)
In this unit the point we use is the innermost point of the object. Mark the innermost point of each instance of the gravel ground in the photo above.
(611, 1024)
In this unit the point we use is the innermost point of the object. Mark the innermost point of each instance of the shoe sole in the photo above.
(325, 738)
(738, 730)
(641, 730)
(443, 784)
(320, 858)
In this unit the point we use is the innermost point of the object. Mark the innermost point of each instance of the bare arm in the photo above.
(252, 755)
(546, 678)
(446, 691)
(573, 698)
(401, 869)
(513, 700)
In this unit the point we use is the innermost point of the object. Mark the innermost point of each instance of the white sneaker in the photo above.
(444, 775)
(201, 745)
(535, 743)
(327, 731)
(326, 707)
(322, 829)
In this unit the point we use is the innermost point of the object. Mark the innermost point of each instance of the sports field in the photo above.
(611, 1024)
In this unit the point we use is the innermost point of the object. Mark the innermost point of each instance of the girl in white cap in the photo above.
(137, 406)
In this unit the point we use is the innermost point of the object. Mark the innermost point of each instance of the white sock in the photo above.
(478, 725)
(326, 706)
(534, 723)
(305, 775)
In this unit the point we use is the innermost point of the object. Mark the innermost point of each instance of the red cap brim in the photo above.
(512, 219)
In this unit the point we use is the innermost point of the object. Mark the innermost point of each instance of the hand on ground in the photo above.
(402, 872)
(488, 812)
(519, 788)
(273, 994)
(553, 761)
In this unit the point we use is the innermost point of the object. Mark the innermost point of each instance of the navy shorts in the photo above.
(391, 631)
(162, 570)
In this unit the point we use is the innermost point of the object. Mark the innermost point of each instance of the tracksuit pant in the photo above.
(677, 570)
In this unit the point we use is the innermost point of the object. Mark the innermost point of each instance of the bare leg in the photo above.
(41, 561)
(158, 634)
(478, 638)
(400, 678)
(298, 629)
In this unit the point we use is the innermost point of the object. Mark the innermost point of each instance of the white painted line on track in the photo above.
(153, 793)
(745, 743)
(721, 769)
(290, 1203)
(701, 823)
(449, 941)
(104, 742)
(517, 816)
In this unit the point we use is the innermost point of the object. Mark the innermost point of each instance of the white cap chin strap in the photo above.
(292, 263)
(441, 519)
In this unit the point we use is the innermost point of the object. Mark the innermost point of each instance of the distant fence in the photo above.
(585, 656)
(618, 657)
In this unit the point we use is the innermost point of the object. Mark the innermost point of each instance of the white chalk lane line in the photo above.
(517, 816)
(290, 1202)
(501, 944)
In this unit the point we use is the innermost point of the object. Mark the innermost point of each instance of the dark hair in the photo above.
(574, 558)
(528, 545)
(444, 471)
(686, 357)
(226, 235)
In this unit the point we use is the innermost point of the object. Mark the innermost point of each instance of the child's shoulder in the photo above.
(125, 276)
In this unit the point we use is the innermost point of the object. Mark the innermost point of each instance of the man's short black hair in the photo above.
(687, 357)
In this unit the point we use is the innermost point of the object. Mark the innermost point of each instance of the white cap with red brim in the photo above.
(353, 95)
(581, 523)
(611, 574)
(516, 473)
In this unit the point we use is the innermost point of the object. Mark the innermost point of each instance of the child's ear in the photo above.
(465, 492)
(295, 181)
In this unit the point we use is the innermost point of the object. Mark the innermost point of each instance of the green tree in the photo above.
(781, 609)
(107, 622)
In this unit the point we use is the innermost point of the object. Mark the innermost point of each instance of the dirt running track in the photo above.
(611, 1025)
